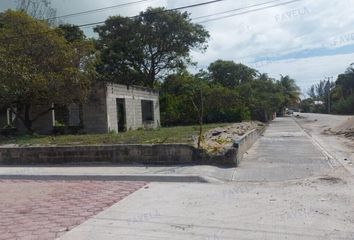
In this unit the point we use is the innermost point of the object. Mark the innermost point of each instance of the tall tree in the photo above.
(144, 49)
(290, 91)
(38, 66)
(229, 74)
(39, 9)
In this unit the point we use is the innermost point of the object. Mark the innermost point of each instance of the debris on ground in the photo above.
(219, 139)
(332, 180)
(299, 116)
(345, 129)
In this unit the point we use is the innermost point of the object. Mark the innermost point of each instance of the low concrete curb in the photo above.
(132, 177)
(165, 154)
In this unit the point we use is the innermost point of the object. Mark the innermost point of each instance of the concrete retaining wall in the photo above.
(164, 154)
(246, 143)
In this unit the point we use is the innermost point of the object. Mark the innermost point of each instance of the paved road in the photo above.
(285, 152)
(312, 208)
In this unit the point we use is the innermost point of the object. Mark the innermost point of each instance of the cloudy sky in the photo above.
(308, 40)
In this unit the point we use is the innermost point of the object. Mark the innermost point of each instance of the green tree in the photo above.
(343, 93)
(145, 49)
(229, 74)
(72, 33)
(39, 67)
(290, 91)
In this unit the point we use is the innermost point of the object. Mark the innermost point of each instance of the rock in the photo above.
(216, 133)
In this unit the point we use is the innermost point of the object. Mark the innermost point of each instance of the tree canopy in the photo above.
(39, 66)
(229, 74)
(258, 97)
(334, 97)
(144, 49)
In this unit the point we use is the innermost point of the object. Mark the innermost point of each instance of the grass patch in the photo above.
(162, 135)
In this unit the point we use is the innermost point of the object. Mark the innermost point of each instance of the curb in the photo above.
(131, 177)
(332, 160)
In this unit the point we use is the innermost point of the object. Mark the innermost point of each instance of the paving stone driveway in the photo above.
(48, 209)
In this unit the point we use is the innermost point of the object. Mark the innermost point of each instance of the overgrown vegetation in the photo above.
(161, 135)
(248, 95)
(55, 66)
(39, 67)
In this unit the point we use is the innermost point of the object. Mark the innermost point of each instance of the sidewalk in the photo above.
(306, 210)
(126, 173)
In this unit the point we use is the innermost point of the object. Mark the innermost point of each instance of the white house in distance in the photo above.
(110, 107)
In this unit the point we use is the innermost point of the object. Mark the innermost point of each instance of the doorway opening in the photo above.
(121, 119)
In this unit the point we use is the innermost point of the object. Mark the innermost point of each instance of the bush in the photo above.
(344, 106)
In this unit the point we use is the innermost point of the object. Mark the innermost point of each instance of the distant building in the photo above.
(110, 107)
(318, 102)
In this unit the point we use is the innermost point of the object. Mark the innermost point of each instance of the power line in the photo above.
(236, 9)
(97, 10)
(249, 11)
(167, 10)
(101, 22)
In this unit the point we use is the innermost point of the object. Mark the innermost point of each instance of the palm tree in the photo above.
(290, 90)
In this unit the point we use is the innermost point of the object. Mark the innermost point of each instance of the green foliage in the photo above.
(344, 105)
(71, 33)
(290, 90)
(39, 66)
(145, 49)
(340, 94)
(255, 99)
(229, 74)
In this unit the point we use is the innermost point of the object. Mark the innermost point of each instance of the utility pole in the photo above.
(329, 94)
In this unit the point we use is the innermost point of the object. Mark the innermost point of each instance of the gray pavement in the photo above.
(285, 152)
(284, 189)
(180, 211)
(126, 173)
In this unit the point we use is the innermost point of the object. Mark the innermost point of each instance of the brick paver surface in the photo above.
(47, 209)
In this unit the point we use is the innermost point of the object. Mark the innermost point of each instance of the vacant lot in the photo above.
(163, 135)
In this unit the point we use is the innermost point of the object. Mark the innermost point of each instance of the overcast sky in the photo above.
(308, 40)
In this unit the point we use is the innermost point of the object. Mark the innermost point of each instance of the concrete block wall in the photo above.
(164, 154)
(94, 111)
(74, 114)
(99, 113)
(246, 143)
(44, 124)
(132, 96)
(147, 154)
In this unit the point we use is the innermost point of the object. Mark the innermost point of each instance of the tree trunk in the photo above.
(27, 122)
(200, 132)
(201, 119)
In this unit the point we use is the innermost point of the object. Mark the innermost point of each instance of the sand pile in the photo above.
(219, 139)
(346, 128)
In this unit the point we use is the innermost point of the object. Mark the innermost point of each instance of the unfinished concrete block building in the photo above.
(110, 107)
(115, 107)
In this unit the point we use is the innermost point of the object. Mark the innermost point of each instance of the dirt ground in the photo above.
(325, 129)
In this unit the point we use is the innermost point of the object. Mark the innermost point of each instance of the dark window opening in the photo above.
(147, 109)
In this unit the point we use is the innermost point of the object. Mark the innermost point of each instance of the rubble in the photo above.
(345, 129)
(219, 139)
